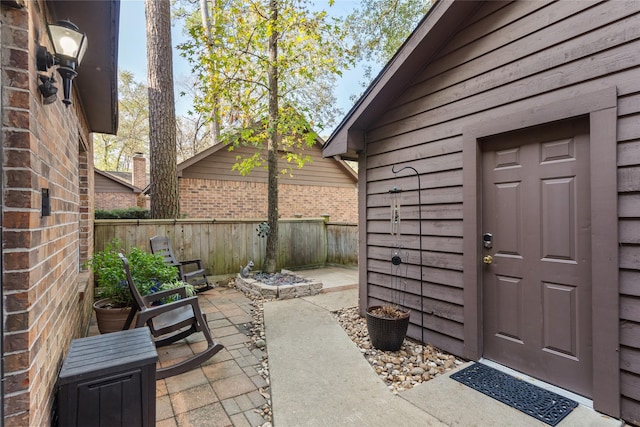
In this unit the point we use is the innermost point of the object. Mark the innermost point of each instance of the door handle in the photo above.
(488, 259)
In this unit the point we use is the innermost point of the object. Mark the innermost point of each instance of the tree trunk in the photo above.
(272, 144)
(214, 124)
(162, 114)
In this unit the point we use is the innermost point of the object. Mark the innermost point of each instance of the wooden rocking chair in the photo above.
(195, 274)
(170, 322)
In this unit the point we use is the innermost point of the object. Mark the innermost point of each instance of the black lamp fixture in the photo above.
(69, 46)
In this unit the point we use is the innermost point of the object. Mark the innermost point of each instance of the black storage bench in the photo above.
(109, 380)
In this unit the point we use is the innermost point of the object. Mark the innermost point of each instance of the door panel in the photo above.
(508, 293)
(537, 291)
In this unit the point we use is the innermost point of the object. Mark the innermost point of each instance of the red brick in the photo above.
(20, 301)
(18, 59)
(18, 158)
(16, 382)
(17, 78)
(16, 240)
(16, 37)
(16, 342)
(16, 119)
(16, 219)
(17, 321)
(18, 199)
(16, 362)
(18, 99)
(21, 178)
(16, 404)
(12, 277)
(16, 260)
(17, 17)
(19, 419)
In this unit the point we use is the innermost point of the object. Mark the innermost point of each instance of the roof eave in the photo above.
(432, 32)
(97, 81)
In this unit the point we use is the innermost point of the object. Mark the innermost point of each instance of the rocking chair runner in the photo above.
(196, 277)
(170, 322)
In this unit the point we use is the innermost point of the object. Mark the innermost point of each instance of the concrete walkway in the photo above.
(320, 378)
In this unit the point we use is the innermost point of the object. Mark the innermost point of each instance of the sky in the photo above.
(132, 54)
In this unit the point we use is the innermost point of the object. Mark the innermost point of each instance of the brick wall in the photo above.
(201, 198)
(109, 201)
(139, 172)
(43, 306)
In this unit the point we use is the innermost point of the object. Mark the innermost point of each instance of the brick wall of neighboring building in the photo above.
(139, 171)
(45, 303)
(109, 201)
(201, 198)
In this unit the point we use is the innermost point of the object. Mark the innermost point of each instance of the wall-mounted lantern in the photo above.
(69, 46)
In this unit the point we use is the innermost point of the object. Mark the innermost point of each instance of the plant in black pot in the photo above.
(388, 323)
(114, 300)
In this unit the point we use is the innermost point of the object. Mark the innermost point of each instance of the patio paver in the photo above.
(225, 390)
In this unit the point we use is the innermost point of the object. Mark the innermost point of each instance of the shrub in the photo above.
(149, 271)
(128, 213)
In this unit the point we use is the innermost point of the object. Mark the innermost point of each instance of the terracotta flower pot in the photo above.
(387, 333)
(111, 319)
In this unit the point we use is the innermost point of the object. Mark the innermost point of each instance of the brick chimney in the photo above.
(139, 171)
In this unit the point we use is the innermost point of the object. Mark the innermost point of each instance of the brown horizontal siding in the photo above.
(629, 153)
(500, 58)
(503, 15)
(105, 185)
(630, 385)
(430, 259)
(507, 57)
(631, 410)
(504, 99)
(429, 243)
(442, 211)
(629, 280)
(516, 80)
(219, 166)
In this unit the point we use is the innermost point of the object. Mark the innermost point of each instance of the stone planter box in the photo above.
(303, 288)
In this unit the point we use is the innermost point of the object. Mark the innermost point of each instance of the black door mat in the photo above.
(537, 402)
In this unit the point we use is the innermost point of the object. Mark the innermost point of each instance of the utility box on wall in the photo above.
(110, 380)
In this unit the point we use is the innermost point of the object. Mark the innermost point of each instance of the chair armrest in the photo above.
(151, 312)
(156, 296)
(193, 261)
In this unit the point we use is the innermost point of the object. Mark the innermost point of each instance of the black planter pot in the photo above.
(387, 334)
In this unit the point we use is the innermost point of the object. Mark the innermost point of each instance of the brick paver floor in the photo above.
(226, 390)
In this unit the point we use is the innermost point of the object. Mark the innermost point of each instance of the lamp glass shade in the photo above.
(68, 41)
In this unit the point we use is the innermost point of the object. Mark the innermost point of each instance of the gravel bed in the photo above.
(278, 279)
(258, 340)
(400, 370)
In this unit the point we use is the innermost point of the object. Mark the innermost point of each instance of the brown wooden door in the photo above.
(537, 292)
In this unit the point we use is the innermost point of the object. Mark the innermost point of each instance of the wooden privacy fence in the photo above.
(225, 245)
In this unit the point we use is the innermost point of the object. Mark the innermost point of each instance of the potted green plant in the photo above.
(114, 300)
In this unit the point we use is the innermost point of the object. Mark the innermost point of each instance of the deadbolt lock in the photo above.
(487, 259)
(487, 240)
